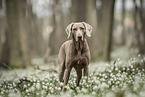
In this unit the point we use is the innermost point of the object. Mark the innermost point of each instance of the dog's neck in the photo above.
(78, 46)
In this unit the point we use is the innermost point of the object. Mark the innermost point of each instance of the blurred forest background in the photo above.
(31, 29)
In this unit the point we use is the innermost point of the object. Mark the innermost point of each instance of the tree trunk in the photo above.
(122, 22)
(142, 20)
(78, 10)
(111, 25)
(17, 54)
(2, 26)
(136, 24)
(105, 30)
(140, 32)
(34, 34)
(90, 19)
(58, 36)
(52, 40)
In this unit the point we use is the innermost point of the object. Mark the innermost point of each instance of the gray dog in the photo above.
(75, 53)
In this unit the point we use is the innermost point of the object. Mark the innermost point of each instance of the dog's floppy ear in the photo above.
(68, 29)
(88, 29)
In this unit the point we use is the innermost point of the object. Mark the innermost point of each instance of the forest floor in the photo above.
(122, 76)
(40, 67)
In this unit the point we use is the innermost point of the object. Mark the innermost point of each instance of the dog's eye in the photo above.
(75, 29)
(82, 28)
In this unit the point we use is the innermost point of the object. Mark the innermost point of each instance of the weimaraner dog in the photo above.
(75, 53)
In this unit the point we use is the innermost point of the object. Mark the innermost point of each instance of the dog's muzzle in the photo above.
(80, 38)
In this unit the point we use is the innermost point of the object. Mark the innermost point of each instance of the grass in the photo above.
(114, 80)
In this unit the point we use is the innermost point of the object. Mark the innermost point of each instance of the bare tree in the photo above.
(78, 10)
(57, 36)
(140, 33)
(35, 38)
(2, 25)
(15, 51)
(105, 30)
(122, 22)
(52, 35)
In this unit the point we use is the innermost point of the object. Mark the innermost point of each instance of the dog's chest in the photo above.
(79, 62)
(77, 57)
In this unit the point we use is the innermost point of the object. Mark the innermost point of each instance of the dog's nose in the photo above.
(80, 37)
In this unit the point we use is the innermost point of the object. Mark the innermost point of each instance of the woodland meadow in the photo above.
(32, 32)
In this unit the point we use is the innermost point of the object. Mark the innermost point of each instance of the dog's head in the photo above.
(79, 30)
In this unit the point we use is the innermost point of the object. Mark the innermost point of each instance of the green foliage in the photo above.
(118, 78)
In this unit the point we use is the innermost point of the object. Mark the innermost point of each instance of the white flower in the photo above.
(85, 77)
(77, 88)
(133, 69)
(102, 79)
(116, 69)
(28, 84)
(107, 64)
(104, 85)
(94, 93)
(110, 71)
(112, 86)
(94, 78)
(25, 86)
(59, 88)
(111, 74)
(84, 90)
(118, 82)
(38, 85)
(45, 87)
(103, 75)
(109, 82)
(120, 85)
(100, 74)
(51, 84)
(128, 69)
(50, 88)
(52, 91)
(26, 90)
(43, 83)
(2, 92)
(95, 87)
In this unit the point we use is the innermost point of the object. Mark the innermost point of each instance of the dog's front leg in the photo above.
(66, 75)
(86, 71)
(79, 76)
(61, 72)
